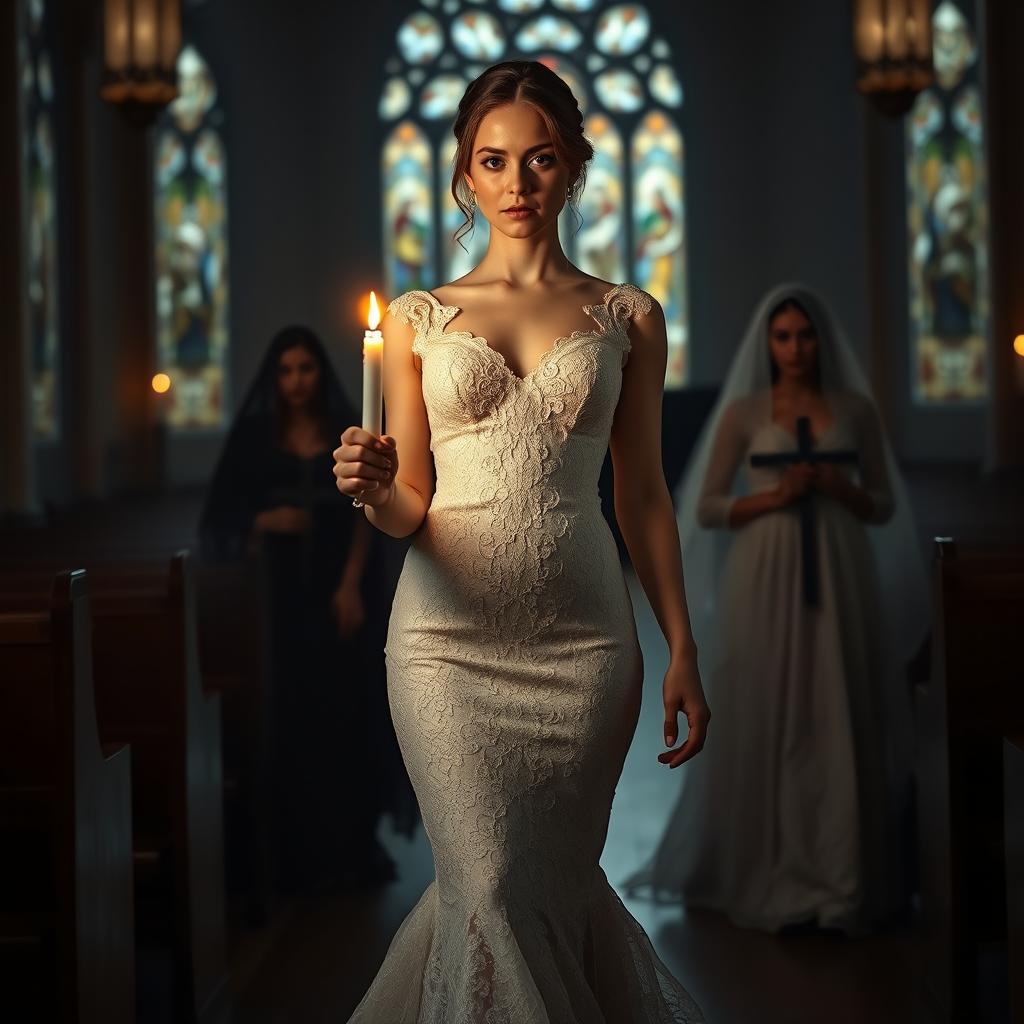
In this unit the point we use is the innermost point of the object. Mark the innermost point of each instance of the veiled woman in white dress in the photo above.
(514, 671)
(792, 815)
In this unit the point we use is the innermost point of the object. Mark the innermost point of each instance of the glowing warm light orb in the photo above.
(1018, 344)
(374, 318)
(161, 383)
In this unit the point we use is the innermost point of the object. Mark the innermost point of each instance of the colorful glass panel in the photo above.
(420, 38)
(478, 36)
(665, 86)
(395, 99)
(659, 229)
(441, 95)
(619, 90)
(622, 30)
(947, 220)
(520, 6)
(191, 208)
(548, 33)
(408, 210)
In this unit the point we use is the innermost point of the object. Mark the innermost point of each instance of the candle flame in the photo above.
(374, 318)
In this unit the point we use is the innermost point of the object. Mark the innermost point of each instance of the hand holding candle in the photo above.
(357, 459)
(373, 371)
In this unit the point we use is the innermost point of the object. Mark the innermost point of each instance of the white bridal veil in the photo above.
(905, 596)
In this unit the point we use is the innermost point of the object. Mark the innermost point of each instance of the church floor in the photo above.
(326, 952)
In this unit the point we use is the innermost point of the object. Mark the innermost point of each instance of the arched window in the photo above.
(947, 219)
(39, 153)
(633, 207)
(192, 250)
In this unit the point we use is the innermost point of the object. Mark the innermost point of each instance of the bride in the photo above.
(514, 672)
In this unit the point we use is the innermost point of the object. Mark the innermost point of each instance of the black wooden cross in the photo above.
(806, 452)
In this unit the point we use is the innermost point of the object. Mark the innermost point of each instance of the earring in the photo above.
(472, 198)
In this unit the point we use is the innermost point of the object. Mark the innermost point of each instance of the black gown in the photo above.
(333, 752)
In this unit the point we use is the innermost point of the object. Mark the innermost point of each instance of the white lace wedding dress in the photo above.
(514, 677)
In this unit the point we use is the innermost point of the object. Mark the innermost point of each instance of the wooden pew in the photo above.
(233, 638)
(65, 825)
(973, 696)
(1013, 777)
(149, 693)
(147, 661)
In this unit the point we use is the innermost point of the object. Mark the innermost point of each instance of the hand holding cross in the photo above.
(806, 453)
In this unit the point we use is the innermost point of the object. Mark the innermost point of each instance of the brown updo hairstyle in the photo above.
(531, 82)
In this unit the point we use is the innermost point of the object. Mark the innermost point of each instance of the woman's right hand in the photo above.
(796, 482)
(365, 466)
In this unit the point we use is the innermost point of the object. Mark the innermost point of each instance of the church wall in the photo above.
(774, 165)
(778, 166)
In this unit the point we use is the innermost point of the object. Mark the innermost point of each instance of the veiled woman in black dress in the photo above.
(274, 488)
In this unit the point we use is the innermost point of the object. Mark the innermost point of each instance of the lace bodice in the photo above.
(517, 459)
(469, 389)
(514, 679)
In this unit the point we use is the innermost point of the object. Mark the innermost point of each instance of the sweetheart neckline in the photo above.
(598, 331)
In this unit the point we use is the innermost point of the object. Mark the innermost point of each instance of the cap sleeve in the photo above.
(621, 306)
(626, 303)
(414, 308)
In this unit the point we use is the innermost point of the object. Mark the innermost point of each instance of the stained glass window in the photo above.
(659, 228)
(192, 250)
(947, 219)
(37, 98)
(408, 209)
(633, 224)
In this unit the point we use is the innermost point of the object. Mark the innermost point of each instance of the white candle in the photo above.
(373, 371)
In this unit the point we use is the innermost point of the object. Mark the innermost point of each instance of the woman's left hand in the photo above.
(682, 692)
(349, 611)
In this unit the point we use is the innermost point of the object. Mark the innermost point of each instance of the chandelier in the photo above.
(893, 46)
(141, 43)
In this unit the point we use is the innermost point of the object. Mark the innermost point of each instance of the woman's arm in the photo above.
(646, 518)
(717, 507)
(396, 495)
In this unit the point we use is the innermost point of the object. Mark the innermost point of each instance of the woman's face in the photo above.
(298, 377)
(793, 344)
(514, 165)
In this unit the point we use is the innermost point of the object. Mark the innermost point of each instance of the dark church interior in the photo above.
(205, 817)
